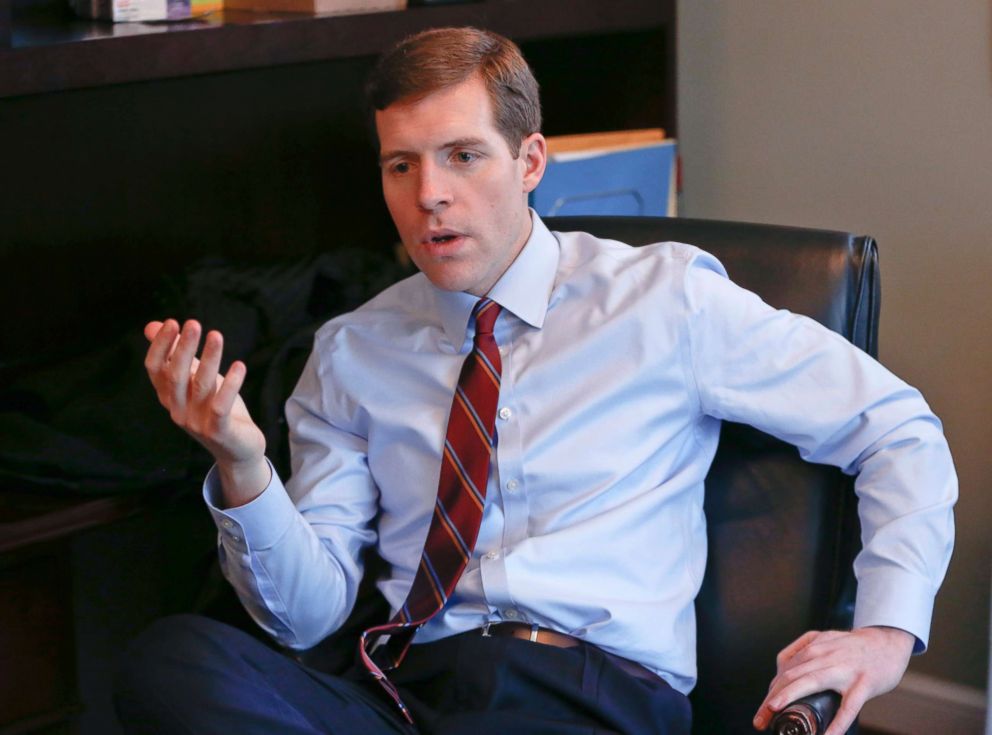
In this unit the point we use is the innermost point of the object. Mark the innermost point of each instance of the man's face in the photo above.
(456, 194)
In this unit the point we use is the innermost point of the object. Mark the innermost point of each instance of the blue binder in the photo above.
(634, 181)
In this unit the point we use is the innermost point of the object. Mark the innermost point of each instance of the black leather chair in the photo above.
(782, 533)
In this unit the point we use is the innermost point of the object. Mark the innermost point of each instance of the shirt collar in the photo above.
(524, 289)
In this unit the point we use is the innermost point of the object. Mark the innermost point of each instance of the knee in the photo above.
(156, 672)
(177, 640)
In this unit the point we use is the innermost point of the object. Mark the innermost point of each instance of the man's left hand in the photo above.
(859, 664)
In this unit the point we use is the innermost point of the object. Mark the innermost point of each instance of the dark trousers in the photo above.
(188, 674)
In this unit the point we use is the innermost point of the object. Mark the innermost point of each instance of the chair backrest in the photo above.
(782, 533)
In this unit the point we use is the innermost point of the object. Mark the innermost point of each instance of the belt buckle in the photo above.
(534, 630)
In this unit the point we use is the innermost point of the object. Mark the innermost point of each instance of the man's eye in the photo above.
(465, 156)
(400, 168)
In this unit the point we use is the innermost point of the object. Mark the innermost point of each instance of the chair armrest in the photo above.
(807, 716)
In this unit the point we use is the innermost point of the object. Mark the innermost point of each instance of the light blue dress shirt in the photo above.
(618, 365)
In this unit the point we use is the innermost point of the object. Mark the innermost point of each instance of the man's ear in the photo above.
(534, 155)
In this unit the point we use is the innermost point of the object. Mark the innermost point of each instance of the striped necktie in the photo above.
(461, 495)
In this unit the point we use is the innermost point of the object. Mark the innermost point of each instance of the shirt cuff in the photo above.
(895, 599)
(256, 525)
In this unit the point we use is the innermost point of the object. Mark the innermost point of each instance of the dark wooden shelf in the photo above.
(28, 518)
(49, 50)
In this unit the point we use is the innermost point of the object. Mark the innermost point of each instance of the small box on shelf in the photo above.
(126, 11)
(319, 7)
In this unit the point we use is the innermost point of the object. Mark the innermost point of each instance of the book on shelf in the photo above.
(319, 7)
(124, 11)
(627, 172)
(132, 11)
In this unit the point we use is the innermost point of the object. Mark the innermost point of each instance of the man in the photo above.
(611, 368)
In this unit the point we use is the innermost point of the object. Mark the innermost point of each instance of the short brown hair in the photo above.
(443, 57)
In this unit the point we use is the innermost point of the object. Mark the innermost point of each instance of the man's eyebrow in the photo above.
(456, 143)
(464, 143)
(389, 155)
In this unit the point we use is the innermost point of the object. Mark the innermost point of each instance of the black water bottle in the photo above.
(807, 716)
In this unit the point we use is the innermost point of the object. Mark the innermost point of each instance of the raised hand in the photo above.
(208, 405)
(859, 664)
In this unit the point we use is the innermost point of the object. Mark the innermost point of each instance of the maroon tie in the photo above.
(461, 496)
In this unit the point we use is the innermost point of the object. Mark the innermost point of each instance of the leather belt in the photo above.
(548, 637)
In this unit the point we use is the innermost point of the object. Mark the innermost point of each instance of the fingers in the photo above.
(821, 652)
(201, 401)
(859, 664)
(818, 678)
(156, 359)
(216, 395)
(204, 381)
(151, 329)
(795, 647)
(181, 361)
(161, 344)
(803, 669)
(173, 368)
(228, 393)
(850, 706)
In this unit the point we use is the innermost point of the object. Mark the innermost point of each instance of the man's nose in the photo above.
(434, 191)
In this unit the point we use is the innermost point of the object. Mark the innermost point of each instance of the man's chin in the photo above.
(449, 284)
(446, 280)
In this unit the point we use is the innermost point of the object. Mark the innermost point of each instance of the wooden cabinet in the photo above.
(38, 681)
(37, 658)
(79, 577)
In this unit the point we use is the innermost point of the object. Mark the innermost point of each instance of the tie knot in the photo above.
(485, 313)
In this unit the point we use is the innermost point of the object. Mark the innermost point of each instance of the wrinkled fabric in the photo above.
(92, 424)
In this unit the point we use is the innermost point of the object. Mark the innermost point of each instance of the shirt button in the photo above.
(492, 556)
(235, 537)
(505, 413)
(227, 523)
(511, 614)
(512, 485)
